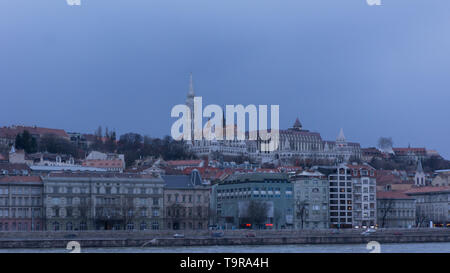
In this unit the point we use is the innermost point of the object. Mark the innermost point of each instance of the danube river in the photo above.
(384, 248)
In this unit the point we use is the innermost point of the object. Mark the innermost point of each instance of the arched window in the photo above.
(130, 226)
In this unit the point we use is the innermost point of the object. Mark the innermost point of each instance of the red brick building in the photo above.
(21, 203)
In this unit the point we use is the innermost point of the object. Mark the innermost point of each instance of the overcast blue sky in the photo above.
(372, 70)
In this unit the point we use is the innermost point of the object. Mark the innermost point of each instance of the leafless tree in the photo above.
(421, 216)
(301, 212)
(386, 210)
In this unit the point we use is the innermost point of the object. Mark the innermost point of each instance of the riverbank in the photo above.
(109, 239)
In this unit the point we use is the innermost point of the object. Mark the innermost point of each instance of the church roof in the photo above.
(419, 167)
(297, 124)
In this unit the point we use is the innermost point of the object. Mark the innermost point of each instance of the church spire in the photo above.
(341, 136)
(191, 87)
(297, 125)
(419, 167)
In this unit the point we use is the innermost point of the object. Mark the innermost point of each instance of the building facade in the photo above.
(432, 206)
(352, 196)
(311, 200)
(255, 200)
(21, 206)
(395, 210)
(92, 201)
(186, 202)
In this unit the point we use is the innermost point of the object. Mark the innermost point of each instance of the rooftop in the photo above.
(392, 195)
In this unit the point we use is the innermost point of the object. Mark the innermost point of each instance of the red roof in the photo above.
(20, 179)
(13, 131)
(392, 195)
(428, 189)
(184, 162)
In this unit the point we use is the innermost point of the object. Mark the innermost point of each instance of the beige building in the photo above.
(432, 205)
(186, 202)
(395, 210)
(442, 179)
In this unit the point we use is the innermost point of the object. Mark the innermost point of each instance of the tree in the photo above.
(301, 212)
(26, 142)
(256, 212)
(421, 216)
(57, 145)
(387, 208)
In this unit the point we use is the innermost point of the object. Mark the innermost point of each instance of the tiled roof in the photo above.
(184, 162)
(20, 179)
(99, 175)
(14, 167)
(13, 131)
(392, 195)
(428, 189)
(367, 167)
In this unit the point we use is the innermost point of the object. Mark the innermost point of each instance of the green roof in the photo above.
(255, 177)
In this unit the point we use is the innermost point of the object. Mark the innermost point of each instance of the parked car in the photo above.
(369, 231)
(178, 235)
(217, 234)
(250, 234)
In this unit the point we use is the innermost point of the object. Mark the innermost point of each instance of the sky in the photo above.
(372, 70)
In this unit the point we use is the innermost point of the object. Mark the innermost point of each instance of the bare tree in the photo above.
(301, 212)
(421, 216)
(386, 210)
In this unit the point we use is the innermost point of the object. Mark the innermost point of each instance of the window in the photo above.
(69, 226)
(155, 225)
(130, 226)
(143, 226)
(55, 226)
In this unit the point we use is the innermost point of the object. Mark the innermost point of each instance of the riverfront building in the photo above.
(102, 201)
(186, 202)
(432, 205)
(310, 200)
(352, 196)
(21, 203)
(395, 210)
(255, 200)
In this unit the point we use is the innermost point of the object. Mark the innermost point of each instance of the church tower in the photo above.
(340, 140)
(190, 103)
(419, 177)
